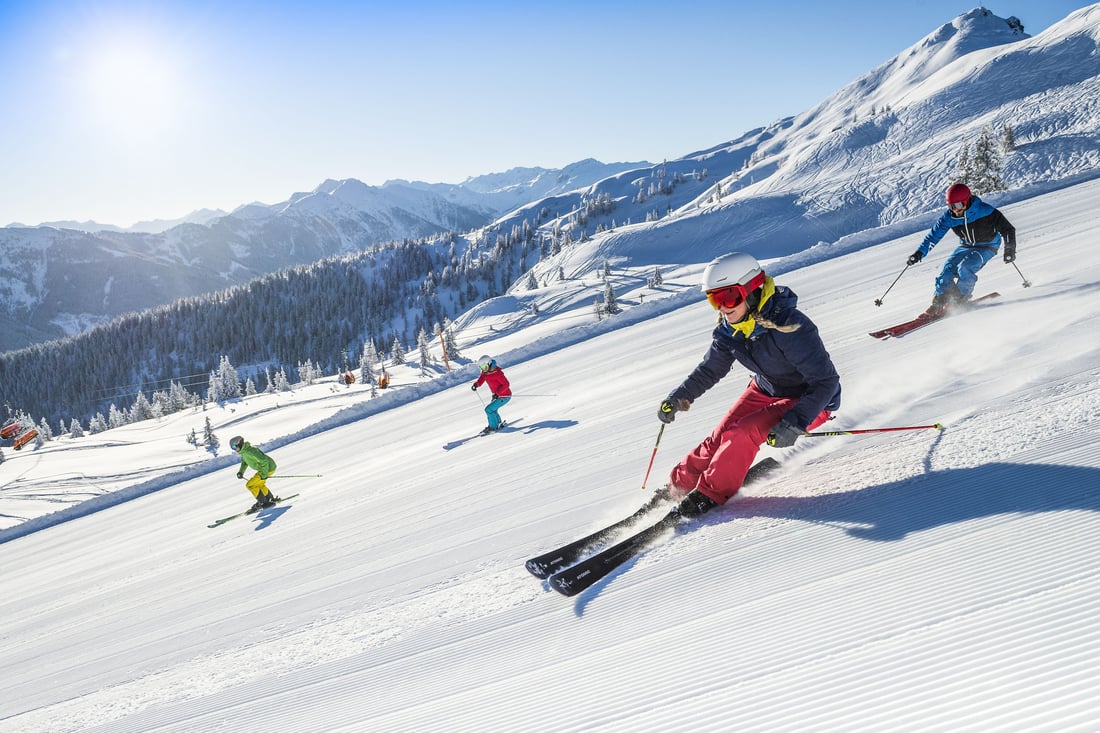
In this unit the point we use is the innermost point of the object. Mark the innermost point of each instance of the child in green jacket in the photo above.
(253, 457)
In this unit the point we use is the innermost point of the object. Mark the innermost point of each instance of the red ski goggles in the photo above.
(727, 297)
(732, 296)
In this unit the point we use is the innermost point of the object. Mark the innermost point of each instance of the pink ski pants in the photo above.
(718, 465)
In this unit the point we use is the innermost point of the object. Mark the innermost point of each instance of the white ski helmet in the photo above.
(735, 268)
(485, 362)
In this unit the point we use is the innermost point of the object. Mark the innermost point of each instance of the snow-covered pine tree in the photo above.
(611, 304)
(987, 164)
(424, 344)
(656, 281)
(230, 384)
(179, 398)
(116, 418)
(449, 339)
(305, 372)
(141, 409)
(366, 362)
(209, 439)
(964, 169)
(282, 384)
(397, 353)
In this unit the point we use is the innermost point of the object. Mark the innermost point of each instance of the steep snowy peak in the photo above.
(971, 31)
(887, 85)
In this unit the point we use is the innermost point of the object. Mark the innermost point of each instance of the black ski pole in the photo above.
(1026, 283)
(878, 301)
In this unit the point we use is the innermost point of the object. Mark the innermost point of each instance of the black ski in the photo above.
(545, 565)
(587, 572)
(223, 520)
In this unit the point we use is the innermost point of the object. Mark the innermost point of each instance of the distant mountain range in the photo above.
(57, 281)
(153, 226)
(871, 160)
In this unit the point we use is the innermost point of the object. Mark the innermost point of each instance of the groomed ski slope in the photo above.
(932, 581)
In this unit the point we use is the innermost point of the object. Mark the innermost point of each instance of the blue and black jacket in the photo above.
(980, 225)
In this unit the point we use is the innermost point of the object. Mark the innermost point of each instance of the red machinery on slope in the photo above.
(20, 434)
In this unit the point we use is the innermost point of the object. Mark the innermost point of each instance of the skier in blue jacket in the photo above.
(981, 230)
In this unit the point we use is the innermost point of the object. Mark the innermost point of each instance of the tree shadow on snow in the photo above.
(892, 511)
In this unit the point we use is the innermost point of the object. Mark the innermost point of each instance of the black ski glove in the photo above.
(474, 386)
(1010, 254)
(783, 435)
(240, 474)
(914, 258)
(669, 408)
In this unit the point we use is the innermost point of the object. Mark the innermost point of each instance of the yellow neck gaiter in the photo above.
(747, 326)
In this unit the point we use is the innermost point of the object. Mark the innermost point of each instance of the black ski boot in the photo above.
(696, 503)
(939, 304)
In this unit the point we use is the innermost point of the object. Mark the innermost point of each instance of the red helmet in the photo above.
(958, 193)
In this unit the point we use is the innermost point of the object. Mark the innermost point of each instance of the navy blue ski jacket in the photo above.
(793, 364)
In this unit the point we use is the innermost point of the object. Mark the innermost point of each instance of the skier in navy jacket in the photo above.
(794, 387)
(981, 230)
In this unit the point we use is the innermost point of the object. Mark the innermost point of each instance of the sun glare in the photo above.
(132, 87)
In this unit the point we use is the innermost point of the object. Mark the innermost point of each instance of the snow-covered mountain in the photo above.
(880, 151)
(58, 281)
(151, 226)
(877, 152)
(923, 580)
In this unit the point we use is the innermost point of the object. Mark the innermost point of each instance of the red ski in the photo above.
(923, 320)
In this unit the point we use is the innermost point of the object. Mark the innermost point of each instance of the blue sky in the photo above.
(122, 111)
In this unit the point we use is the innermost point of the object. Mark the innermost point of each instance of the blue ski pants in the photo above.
(961, 268)
(492, 411)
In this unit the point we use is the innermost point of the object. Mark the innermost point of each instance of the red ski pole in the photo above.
(659, 434)
(937, 426)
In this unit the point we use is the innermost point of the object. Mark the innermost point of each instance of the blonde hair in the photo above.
(767, 323)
